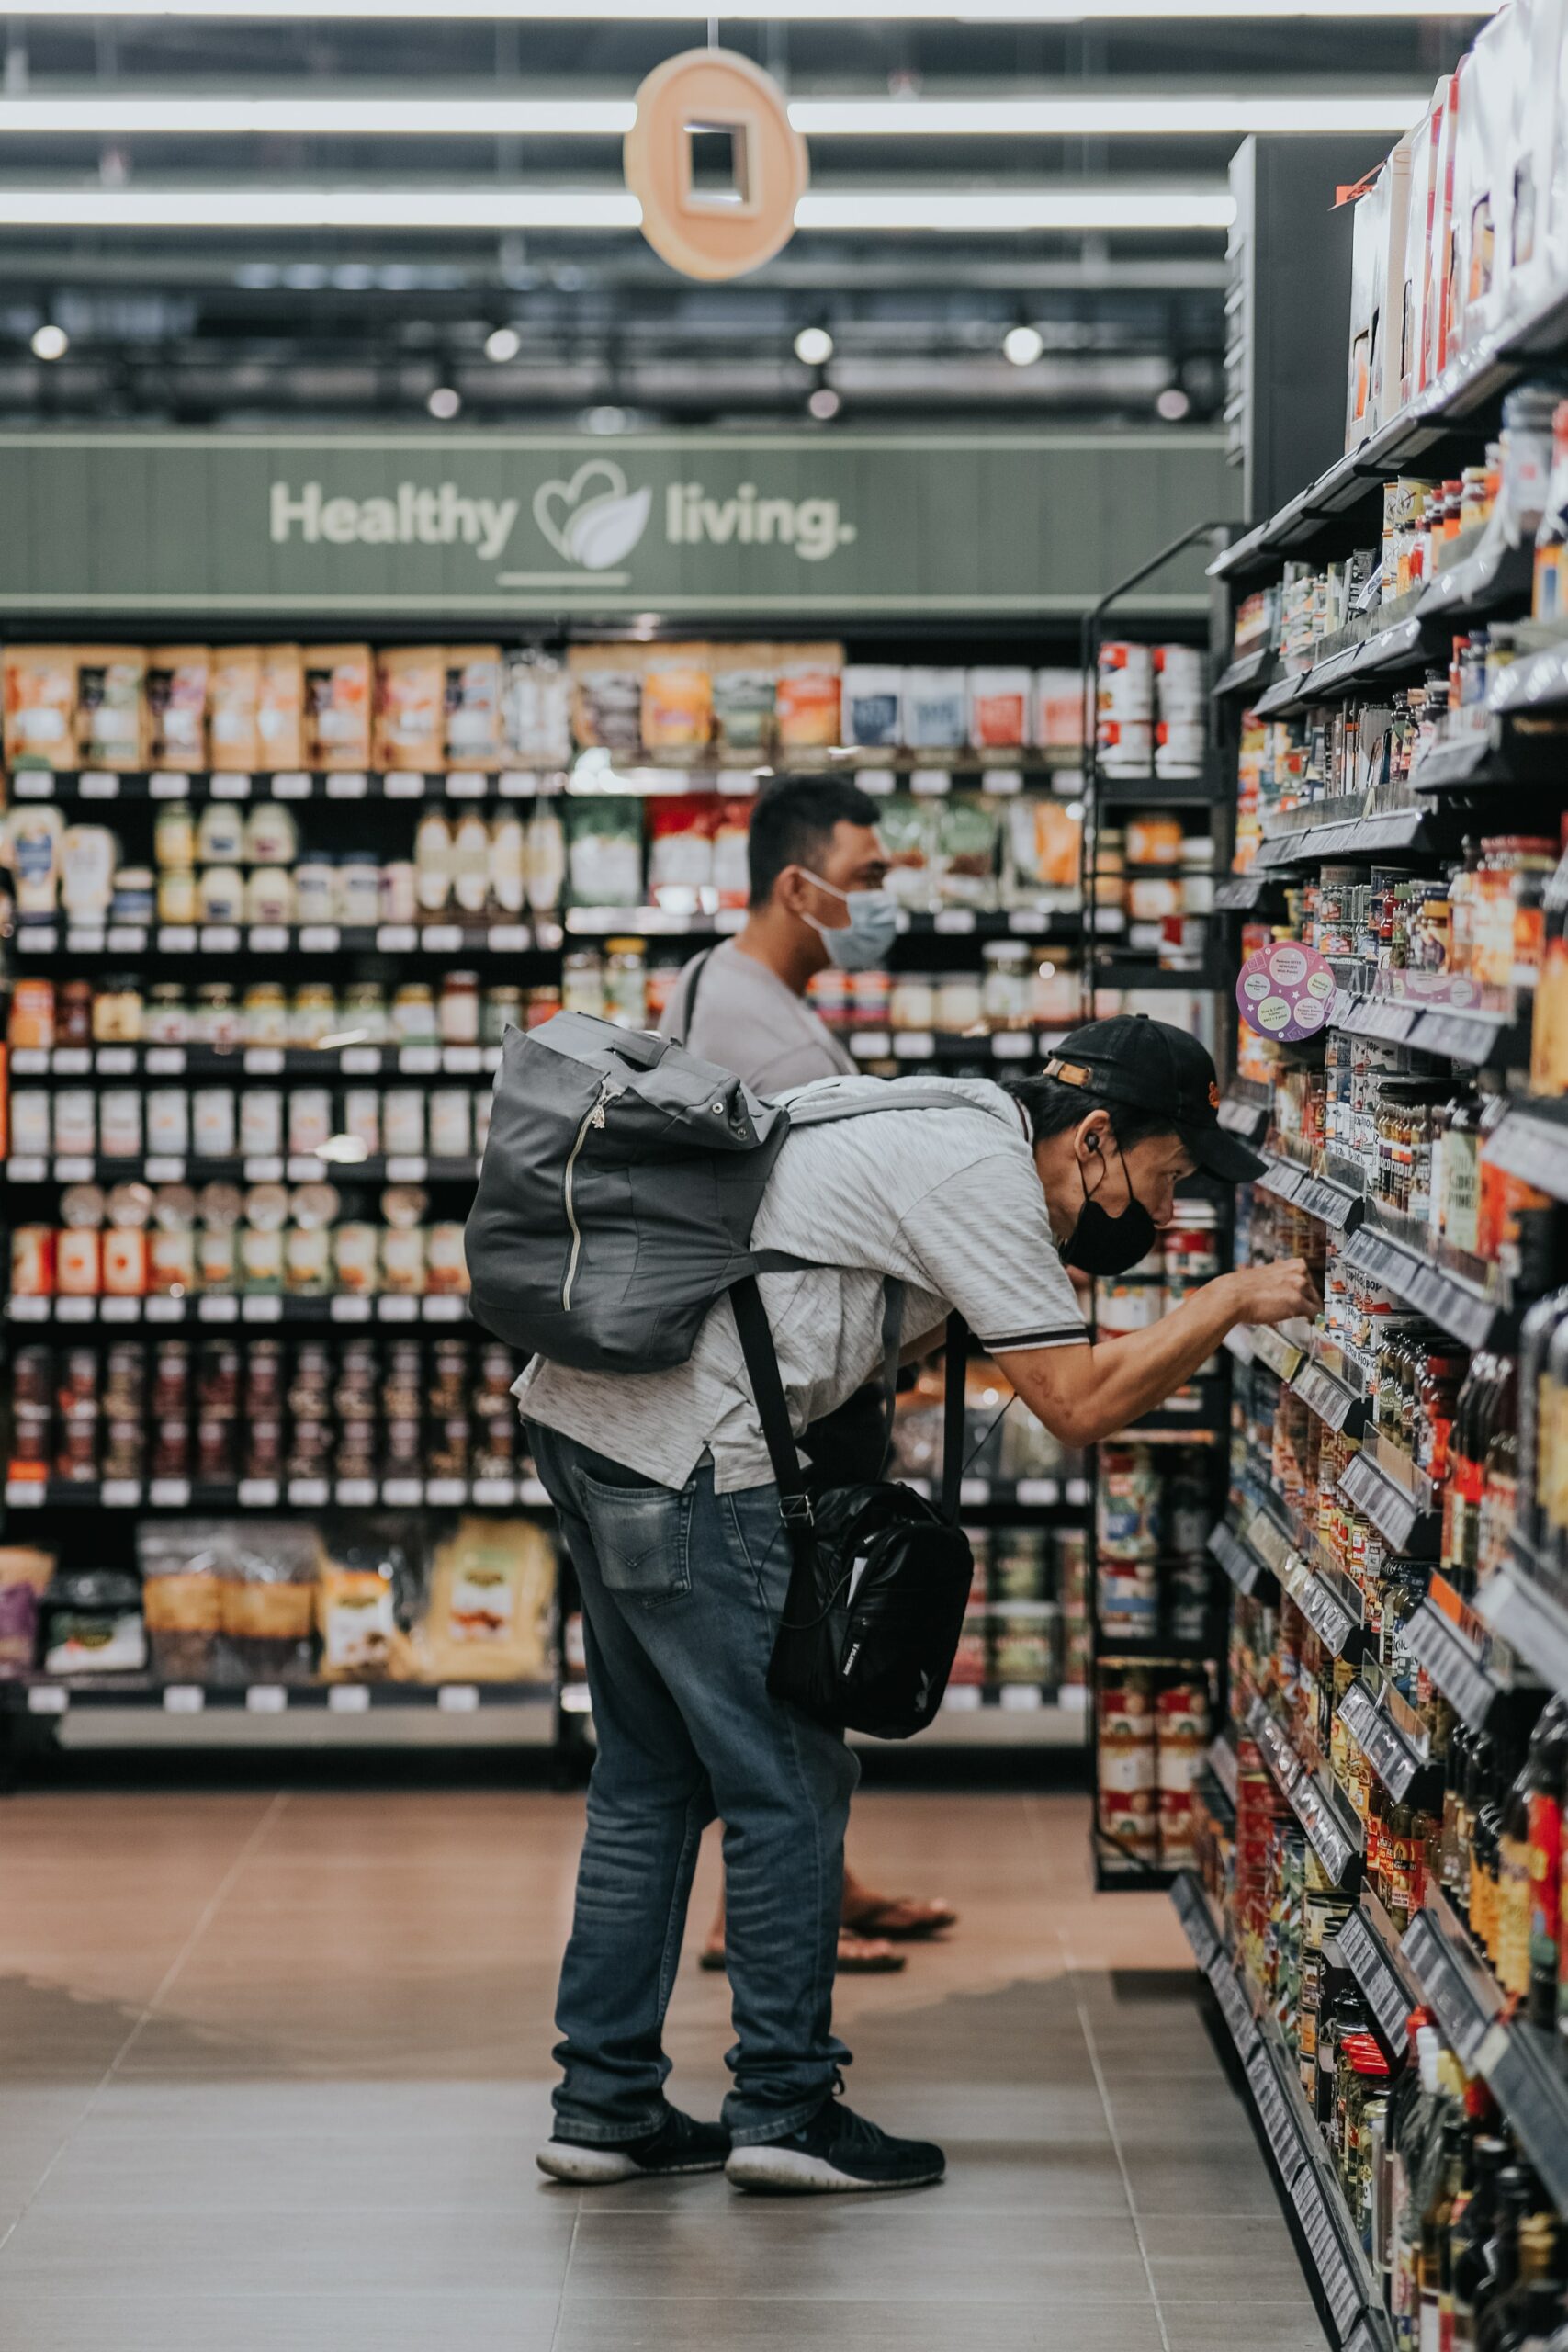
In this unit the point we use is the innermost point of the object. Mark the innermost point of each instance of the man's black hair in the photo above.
(792, 823)
(1053, 1108)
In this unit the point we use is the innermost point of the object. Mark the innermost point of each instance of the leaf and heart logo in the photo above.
(593, 529)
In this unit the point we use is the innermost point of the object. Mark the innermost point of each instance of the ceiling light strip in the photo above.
(169, 114)
(580, 12)
(959, 212)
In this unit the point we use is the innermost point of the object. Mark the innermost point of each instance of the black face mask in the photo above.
(1103, 1244)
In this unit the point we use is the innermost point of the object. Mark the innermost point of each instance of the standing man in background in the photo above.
(818, 872)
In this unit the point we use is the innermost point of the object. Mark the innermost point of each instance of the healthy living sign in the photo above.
(424, 526)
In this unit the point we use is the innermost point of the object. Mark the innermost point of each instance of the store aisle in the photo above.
(273, 2067)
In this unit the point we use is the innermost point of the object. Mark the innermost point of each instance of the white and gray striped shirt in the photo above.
(948, 1200)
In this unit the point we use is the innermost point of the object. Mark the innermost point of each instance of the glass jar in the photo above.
(458, 1014)
(358, 896)
(313, 1014)
(168, 1020)
(221, 836)
(959, 1004)
(413, 1015)
(912, 1001)
(133, 898)
(625, 983)
(178, 901)
(365, 1011)
(582, 983)
(501, 1010)
(265, 1013)
(173, 837)
(314, 898)
(117, 1011)
(1006, 993)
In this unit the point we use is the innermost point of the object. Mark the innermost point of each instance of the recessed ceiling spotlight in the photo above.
(1022, 345)
(813, 346)
(443, 403)
(1173, 403)
(503, 344)
(51, 342)
(823, 403)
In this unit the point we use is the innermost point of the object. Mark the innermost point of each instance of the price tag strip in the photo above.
(1441, 1649)
(1448, 1985)
(1380, 1741)
(1392, 1513)
(1370, 1966)
(1329, 1838)
(1517, 1605)
(1534, 1147)
(1413, 1278)
(1243, 1569)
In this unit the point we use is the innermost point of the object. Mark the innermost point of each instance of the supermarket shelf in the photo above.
(1388, 1019)
(1332, 1205)
(1368, 1945)
(1407, 1524)
(1519, 1604)
(240, 1062)
(297, 1168)
(1003, 1716)
(43, 1695)
(1238, 1560)
(227, 1308)
(1490, 578)
(1535, 681)
(293, 784)
(1387, 1745)
(183, 942)
(1328, 2239)
(1221, 1761)
(1198, 789)
(1248, 671)
(1336, 1404)
(1517, 2061)
(1481, 1040)
(949, 1044)
(1531, 1143)
(203, 1495)
(1451, 1302)
(1328, 1821)
(1061, 1495)
(1452, 1643)
(1239, 893)
(1124, 972)
(1281, 699)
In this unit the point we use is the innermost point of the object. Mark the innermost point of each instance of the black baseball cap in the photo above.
(1134, 1059)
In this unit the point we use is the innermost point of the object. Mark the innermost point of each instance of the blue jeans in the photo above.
(682, 1591)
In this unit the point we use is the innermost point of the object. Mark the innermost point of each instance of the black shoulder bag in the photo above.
(879, 1578)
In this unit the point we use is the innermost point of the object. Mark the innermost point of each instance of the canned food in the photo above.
(170, 1261)
(33, 1261)
(125, 1261)
(78, 1264)
(310, 1119)
(355, 1253)
(261, 1123)
(451, 1123)
(168, 1122)
(119, 1122)
(75, 1122)
(403, 1122)
(212, 1122)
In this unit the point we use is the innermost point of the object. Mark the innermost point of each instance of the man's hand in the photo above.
(1274, 1293)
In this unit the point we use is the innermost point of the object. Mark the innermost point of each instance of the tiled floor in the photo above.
(273, 2067)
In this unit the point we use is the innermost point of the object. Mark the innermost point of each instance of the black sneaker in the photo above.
(679, 2145)
(836, 2153)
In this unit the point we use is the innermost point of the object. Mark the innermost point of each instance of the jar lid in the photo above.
(613, 946)
(133, 878)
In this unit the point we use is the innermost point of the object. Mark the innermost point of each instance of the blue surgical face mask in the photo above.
(862, 946)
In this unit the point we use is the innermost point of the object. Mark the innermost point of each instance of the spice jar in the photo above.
(179, 903)
(265, 1013)
(313, 1014)
(459, 1012)
(115, 1010)
(167, 1019)
(501, 1009)
(413, 1015)
(217, 1020)
(1006, 993)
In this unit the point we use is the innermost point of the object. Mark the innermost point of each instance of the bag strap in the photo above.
(681, 1028)
(773, 1410)
(955, 1361)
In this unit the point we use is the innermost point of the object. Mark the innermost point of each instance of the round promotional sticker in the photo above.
(1284, 992)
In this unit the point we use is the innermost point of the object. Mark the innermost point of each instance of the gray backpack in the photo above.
(620, 1183)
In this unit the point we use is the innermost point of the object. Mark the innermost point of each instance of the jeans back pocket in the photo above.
(640, 1537)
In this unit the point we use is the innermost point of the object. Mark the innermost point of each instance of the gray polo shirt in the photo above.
(948, 1200)
(746, 1020)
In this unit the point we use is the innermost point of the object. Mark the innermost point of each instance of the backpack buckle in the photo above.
(796, 1510)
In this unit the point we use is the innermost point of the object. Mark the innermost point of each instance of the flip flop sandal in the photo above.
(858, 1956)
(906, 1918)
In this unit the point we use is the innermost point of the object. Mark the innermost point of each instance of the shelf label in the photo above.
(221, 1306)
(396, 1310)
(164, 1061)
(120, 1494)
(112, 1061)
(495, 1493)
(419, 1061)
(460, 1061)
(230, 788)
(913, 1045)
(442, 1309)
(457, 1699)
(320, 939)
(269, 938)
(97, 784)
(266, 1699)
(396, 938)
(402, 1493)
(183, 1699)
(263, 1061)
(26, 1494)
(169, 1494)
(509, 939)
(25, 1169)
(347, 1309)
(397, 787)
(75, 1310)
(355, 1494)
(348, 786)
(44, 1701)
(1041, 1492)
(165, 785)
(258, 1494)
(164, 1310)
(517, 784)
(176, 939)
(444, 939)
(220, 939)
(462, 784)
(120, 1310)
(1011, 1046)
(348, 1698)
(165, 1169)
(262, 1309)
(309, 1494)
(33, 784)
(292, 784)
(953, 921)
(447, 1494)
(407, 1167)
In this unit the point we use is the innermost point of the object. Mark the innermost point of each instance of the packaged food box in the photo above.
(177, 707)
(965, 865)
(234, 688)
(111, 705)
(538, 712)
(606, 697)
(337, 706)
(604, 847)
(908, 827)
(474, 694)
(807, 696)
(677, 698)
(874, 706)
(744, 683)
(411, 706)
(936, 709)
(1059, 708)
(1000, 708)
(41, 706)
